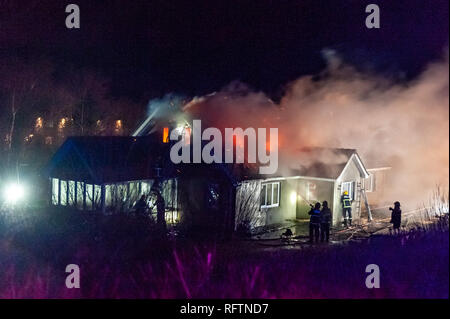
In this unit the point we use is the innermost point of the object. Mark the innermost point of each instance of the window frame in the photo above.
(351, 189)
(369, 183)
(264, 189)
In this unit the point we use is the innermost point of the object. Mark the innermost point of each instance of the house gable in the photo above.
(356, 160)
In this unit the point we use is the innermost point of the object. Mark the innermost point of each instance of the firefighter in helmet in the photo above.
(346, 209)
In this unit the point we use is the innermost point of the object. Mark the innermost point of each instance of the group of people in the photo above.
(320, 220)
(319, 223)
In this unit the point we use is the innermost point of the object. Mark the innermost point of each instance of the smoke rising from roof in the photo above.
(391, 123)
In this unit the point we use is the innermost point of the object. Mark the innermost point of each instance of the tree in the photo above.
(19, 86)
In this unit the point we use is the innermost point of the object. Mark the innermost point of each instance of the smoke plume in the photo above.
(404, 124)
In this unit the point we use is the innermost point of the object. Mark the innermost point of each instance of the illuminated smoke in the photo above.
(401, 124)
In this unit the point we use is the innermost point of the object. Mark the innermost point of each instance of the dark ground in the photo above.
(119, 258)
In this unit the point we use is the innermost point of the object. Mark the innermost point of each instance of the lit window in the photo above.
(270, 195)
(55, 186)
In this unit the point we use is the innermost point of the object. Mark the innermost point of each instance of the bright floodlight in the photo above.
(13, 193)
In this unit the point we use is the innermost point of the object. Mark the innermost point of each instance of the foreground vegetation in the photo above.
(121, 258)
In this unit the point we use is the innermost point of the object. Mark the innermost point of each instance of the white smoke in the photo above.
(401, 124)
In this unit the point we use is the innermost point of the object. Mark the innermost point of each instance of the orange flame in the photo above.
(166, 135)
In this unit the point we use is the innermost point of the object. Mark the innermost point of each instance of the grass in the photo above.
(120, 258)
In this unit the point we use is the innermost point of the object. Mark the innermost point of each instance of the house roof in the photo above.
(325, 162)
(109, 159)
(103, 159)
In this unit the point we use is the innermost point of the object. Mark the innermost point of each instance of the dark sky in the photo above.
(148, 48)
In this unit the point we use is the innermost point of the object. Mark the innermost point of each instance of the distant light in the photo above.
(29, 138)
(39, 123)
(62, 123)
(13, 193)
(293, 197)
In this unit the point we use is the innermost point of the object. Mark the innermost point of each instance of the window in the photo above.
(350, 188)
(71, 193)
(80, 195)
(370, 183)
(89, 196)
(63, 191)
(97, 197)
(270, 195)
(55, 185)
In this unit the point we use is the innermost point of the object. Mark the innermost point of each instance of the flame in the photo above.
(166, 135)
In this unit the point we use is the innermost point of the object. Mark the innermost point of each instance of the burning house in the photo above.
(109, 174)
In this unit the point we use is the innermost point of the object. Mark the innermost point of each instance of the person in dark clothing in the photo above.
(161, 212)
(325, 220)
(314, 223)
(396, 216)
(141, 206)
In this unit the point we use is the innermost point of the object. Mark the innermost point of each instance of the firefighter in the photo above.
(396, 216)
(314, 223)
(346, 209)
(325, 220)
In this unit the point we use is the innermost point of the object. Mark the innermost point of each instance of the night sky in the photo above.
(149, 48)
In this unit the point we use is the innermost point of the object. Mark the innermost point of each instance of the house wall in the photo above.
(350, 173)
(287, 207)
(295, 196)
(310, 191)
(248, 203)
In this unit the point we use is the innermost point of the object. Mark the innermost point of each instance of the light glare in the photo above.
(13, 193)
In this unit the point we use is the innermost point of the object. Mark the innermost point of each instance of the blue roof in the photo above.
(104, 159)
